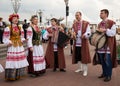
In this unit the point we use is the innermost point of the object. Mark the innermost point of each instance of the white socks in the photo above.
(82, 68)
(85, 70)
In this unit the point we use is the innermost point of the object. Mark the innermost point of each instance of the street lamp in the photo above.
(67, 9)
(16, 5)
(40, 16)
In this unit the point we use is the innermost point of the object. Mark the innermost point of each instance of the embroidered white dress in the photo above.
(16, 57)
(39, 63)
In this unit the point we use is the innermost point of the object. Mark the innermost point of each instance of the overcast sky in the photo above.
(56, 8)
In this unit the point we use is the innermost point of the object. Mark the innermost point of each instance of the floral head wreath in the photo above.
(13, 15)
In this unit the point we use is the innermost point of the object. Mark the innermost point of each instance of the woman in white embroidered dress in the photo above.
(16, 59)
(36, 54)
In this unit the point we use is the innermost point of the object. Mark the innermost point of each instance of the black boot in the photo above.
(101, 76)
(54, 70)
(107, 79)
(62, 70)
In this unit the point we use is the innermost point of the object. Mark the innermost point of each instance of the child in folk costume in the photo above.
(37, 64)
(16, 59)
(54, 54)
(81, 54)
(1, 68)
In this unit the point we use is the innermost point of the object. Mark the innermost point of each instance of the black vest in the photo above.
(36, 40)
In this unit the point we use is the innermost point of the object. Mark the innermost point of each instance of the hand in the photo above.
(31, 49)
(25, 40)
(101, 30)
(83, 36)
(50, 35)
(104, 30)
(10, 44)
(74, 35)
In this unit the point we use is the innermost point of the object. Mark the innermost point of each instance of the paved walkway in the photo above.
(69, 78)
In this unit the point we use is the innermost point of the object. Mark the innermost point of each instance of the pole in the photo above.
(67, 13)
(40, 20)
(66, 20)
(40, 16)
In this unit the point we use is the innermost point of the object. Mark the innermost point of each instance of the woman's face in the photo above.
(15, 20)
(35, 21)
(53, 23)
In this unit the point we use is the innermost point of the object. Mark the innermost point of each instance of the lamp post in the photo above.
(40, 16)
(67, 9)
(16, 5)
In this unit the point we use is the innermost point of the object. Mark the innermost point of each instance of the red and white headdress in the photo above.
(13, 15)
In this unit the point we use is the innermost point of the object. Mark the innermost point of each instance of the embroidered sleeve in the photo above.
(111, 32)
(22, 35)
(6, 36)
(88, 32)
(29, 37)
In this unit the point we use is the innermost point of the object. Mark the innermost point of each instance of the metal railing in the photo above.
(4, 48)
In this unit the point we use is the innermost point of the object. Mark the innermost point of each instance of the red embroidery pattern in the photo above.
(6, 33)
(15, 52)
(29, 33)
(38, 61)
(16, 58)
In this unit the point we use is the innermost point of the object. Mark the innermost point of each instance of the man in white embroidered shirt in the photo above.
(107, 54)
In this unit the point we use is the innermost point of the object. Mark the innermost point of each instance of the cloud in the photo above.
(89, 8)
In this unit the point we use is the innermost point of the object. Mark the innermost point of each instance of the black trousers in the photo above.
(55, 59)
(71, 41)
(71, 45)
(1, 36)
(77, 54)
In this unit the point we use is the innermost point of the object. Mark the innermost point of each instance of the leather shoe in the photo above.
(107, 79)
(102, 76)
(54, 70)
(62, 70)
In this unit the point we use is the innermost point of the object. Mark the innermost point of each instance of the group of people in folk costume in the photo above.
(36, 61)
